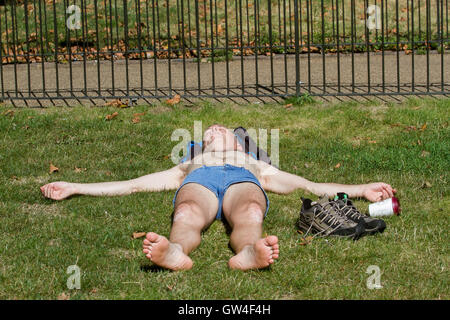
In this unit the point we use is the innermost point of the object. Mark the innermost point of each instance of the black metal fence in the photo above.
(78, 50)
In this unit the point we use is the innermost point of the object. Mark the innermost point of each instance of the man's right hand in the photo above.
(58, 190)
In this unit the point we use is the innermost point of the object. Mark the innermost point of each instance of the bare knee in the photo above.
(188, 212)
(251, 212)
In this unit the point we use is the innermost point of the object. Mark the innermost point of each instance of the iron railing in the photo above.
(78, 50)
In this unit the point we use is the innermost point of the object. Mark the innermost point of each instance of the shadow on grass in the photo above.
(153, 268)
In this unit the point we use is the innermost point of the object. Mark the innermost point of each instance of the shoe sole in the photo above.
(355, 236)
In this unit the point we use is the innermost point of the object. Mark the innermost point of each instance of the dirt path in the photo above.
(278, 71)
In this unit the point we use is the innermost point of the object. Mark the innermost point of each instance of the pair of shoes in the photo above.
(337, 217)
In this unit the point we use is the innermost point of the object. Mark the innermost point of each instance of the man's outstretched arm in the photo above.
(283, 182)
(164, 180)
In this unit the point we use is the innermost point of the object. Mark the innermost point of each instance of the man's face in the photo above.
(219, 138)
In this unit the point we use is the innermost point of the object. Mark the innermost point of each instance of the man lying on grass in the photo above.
(223, 182)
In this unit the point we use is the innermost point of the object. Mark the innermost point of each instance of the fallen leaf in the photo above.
(424, 154)
(9, 113)
(426, 184)
(53, 168)
(372, 141)
(337, 166)
(423, 127)
(117, 103)
(139, 114)
(63, 296)
(306, 241)
(288, 105)
(112, 116)
(137, 235)
(175, 100)
(78, 170)
(136, 120)
(410, 128)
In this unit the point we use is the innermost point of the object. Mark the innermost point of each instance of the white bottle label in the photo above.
(382, 208)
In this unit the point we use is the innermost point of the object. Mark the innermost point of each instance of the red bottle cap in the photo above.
(396, 206)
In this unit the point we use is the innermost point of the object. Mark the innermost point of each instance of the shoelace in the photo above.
(350, 211)
(327, 214)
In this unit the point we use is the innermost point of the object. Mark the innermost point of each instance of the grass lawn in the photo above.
(406, 145)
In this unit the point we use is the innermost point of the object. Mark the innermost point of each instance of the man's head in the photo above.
(220, 138)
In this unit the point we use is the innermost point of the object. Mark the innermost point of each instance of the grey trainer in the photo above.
(323, 218)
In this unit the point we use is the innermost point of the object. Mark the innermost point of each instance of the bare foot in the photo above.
(260, 255)
(164, 253)
(58, 190)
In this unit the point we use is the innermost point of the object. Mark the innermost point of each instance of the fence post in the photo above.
(297, 51)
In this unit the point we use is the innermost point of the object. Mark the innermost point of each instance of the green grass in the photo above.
(40, 238)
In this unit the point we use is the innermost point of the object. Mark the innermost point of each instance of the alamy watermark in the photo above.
(74, 280)
(259, 136)
(74, 20)
(374, 280)
(373, 17)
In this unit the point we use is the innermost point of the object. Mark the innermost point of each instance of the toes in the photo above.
(271, 240)
(151, 237)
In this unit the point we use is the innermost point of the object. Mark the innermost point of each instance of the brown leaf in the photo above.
(426, 184)
(372, 141)
(410, 128)
(137, 235)
(112, 116)
(175, 100)
(306, 241)
(423, 127)
(117, 103)
(139, 114)
(63, 296)
(136, 120)
(78, 170)
(8, 113)
(337, 166)
(424, 154)
(53, 168)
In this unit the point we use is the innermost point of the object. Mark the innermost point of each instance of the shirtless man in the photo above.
(223, 182)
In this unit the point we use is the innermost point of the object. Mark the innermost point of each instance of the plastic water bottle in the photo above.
(387, 207)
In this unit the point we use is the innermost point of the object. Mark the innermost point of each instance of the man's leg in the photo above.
(195, 209)
(244, 205)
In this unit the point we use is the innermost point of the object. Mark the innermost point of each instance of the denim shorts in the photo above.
(218, 179)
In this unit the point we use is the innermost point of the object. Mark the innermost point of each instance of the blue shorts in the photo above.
(218, 179)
